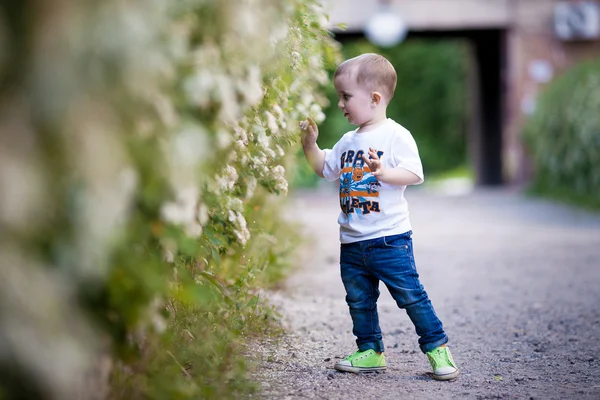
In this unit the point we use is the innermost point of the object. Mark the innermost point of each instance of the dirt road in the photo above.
(516, 282)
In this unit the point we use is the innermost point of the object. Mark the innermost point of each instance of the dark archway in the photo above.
(488, 96)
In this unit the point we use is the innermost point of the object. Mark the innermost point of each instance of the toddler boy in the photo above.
(374, 164)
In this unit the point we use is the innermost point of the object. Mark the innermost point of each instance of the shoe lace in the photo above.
(438, 358)
(359, 355)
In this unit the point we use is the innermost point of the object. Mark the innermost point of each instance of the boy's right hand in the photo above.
(314, 155)
(310, 132)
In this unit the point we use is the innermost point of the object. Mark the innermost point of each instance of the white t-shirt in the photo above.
(371, 209)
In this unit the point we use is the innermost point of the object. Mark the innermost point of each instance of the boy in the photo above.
(374, 164)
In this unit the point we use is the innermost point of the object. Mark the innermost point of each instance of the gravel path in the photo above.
(516, 282)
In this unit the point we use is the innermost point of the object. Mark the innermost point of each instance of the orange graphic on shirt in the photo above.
(357, 174)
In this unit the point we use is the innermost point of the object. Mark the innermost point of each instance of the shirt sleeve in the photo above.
(405, 154)
(331, 170)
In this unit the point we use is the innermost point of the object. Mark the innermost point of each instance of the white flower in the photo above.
(261, 136)
(230, 109)
(159, 323)
(319, 117)
(168, 256)
(240, 134)
(279, 170)
(240, 229)
(183, 211)
(295, 59)
(203, 214)
(193, 230)
(242, 235)
(278, 111)
(228, 179)
(282, 186)
(224, 139)
(234, 203)
(272, 122)
(199, 87)
(253, 92)
(231, 216)
(153, 314)
(280, 151)
(302, 110)
(281, 183)
(315, 108)
(189, 145)
(270, 153)
(280, 31)
(247, 20)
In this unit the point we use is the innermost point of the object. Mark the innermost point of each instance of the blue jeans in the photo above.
(388, 259)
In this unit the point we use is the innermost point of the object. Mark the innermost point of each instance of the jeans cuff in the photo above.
(434, 345)
(377, 346)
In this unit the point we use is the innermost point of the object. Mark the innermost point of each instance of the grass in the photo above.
(201, 355)
(461, 172)
(564, 195)
(210, 321)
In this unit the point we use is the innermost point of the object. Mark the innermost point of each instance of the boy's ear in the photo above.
(376, 98)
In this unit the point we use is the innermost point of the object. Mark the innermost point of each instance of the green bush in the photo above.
(563, 136)
(430, 100)
(143, 149)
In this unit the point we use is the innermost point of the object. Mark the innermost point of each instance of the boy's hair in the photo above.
(373, 71)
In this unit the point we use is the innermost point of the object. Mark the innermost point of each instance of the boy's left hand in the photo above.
(374, 162)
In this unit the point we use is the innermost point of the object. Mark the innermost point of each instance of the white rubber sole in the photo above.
(446, 377)
(358, 370)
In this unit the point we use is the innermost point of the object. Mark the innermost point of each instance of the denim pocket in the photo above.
(397, 261)
(396, 242)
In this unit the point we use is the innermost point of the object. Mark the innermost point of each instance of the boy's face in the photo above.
(355, 101)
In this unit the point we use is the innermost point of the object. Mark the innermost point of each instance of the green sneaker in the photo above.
(362, 361)
(444, 367)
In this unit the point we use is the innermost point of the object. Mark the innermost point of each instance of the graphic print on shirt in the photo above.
(359, 189)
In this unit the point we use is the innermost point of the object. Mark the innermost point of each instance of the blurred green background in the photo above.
(563, 137)
(431, 101)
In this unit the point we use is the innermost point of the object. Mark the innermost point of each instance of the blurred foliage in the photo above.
(431, 100)
(142, 149)
(303, 174)
(563, 137)
(462, 172)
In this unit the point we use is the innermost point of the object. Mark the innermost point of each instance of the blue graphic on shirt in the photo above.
(359, 189)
